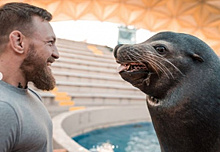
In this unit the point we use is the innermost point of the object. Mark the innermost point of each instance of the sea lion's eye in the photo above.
(160, 49)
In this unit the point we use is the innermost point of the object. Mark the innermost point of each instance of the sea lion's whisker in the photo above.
(160, 63)
(166, 60)
(139, 58)
(153, 63)
(155, 66)
(161, 66)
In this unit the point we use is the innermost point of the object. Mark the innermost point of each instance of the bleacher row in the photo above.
(86, 75)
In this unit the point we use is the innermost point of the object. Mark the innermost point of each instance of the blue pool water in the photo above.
(139, 137)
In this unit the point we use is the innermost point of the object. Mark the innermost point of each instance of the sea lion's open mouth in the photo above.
(132, 67)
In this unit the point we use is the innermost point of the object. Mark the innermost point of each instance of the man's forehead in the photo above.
(43, 27)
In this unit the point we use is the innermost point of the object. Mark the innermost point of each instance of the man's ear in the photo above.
(16, 39)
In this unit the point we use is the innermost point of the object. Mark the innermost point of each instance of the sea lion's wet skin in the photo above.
(181, 76)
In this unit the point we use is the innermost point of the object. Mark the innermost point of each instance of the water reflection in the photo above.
(139, 137)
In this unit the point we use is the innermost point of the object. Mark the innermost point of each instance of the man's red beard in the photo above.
(35, 70)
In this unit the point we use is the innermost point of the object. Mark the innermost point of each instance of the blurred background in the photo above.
(197, 17)
(86, 75)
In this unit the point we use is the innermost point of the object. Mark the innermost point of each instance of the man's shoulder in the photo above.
(35, 93)
(6, 108)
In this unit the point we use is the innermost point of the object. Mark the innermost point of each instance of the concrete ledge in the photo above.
(73, 123)
(107, 99)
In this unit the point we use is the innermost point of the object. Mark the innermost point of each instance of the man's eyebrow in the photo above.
(54, 38)
(51, 38)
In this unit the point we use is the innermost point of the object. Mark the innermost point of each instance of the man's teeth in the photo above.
(48, 64)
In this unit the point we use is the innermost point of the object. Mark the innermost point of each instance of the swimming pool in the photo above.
(139, 137)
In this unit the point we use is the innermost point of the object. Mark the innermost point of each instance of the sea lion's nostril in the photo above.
(116, 49)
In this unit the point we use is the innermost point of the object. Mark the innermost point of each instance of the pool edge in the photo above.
(73, 123)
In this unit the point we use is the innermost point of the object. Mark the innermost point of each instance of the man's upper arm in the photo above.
(9, 127)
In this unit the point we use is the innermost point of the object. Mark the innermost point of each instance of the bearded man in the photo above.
(27, 49)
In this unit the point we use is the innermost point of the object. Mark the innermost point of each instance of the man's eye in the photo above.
(50, 42)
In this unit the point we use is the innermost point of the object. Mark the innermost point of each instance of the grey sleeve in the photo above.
(9, 127)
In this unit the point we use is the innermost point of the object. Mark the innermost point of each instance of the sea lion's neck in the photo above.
(188, 116)
(184, 127)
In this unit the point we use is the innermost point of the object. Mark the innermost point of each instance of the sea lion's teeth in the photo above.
(128, 66)
(131, 67)
(123, 67)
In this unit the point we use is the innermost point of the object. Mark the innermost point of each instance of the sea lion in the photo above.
(180, 74)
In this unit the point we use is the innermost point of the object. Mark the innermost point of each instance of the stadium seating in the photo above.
(86, 75)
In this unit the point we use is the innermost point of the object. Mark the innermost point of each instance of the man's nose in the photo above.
(55, 53)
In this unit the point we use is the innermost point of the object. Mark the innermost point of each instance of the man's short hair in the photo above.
(18, 16)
